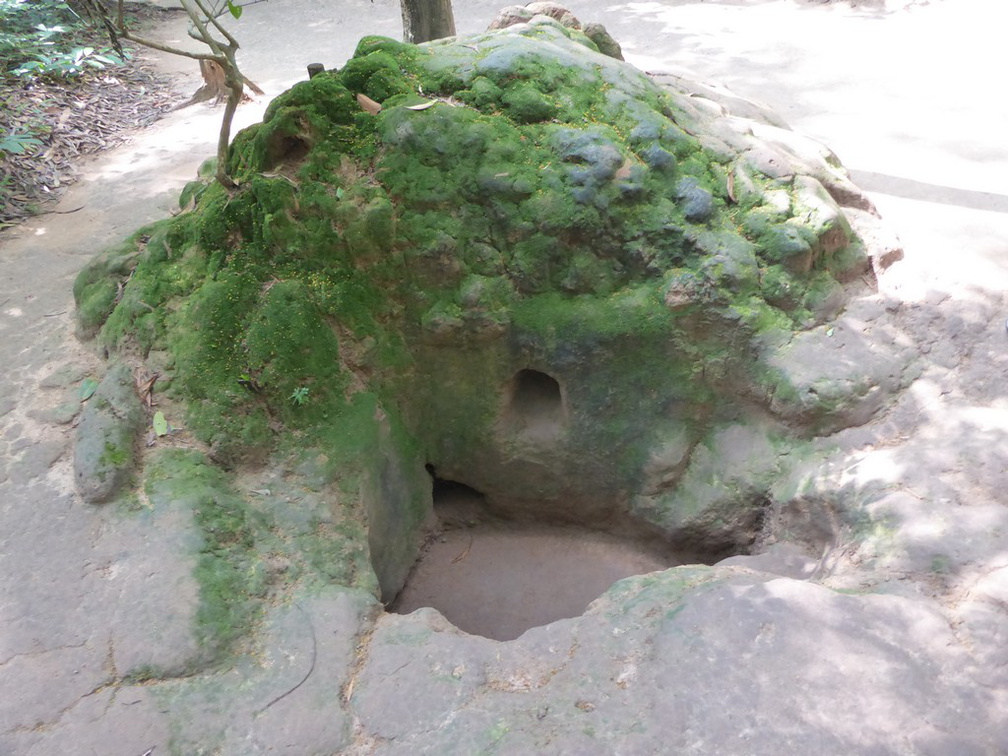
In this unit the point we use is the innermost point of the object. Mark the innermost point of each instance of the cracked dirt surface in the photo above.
(762, 664)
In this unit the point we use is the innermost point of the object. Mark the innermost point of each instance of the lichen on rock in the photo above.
(522, 213)
(107, 436)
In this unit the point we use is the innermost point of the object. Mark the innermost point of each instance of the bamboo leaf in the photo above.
(87, 388)
(160, 423)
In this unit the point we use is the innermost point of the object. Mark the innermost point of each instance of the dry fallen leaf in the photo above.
(368, 105)
(464, 553)
(145, 388)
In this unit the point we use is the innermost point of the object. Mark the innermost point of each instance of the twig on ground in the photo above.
(311, 667)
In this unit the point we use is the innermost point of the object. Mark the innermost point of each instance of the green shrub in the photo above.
(43, 38)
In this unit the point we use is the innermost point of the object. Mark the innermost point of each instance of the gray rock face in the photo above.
(646, 262)
(104, 452)
(784, 651)
(290, 702)
(698, 204)
(519, 14)
(717, 503)
(684, 661)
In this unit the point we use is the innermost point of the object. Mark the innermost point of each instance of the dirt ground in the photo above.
(499, 580)
(907, 94)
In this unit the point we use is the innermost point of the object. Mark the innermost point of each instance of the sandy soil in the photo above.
(499, 580)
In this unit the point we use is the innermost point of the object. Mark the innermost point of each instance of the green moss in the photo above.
(216, 226)
(526, 104)
(821, 289)
(206, 336)
(761, 318)
(547, 209)
(231, 579)
(145, 673)
(941, 564)
(95, 303)
(639, 311)
(162, 273)
(482, 94)
(780, 288)
(191, 192)
(349, 440)
(287, 345)
(788, 244)
(848, 262)
(114, 456)
(379, 73)
(98, 286)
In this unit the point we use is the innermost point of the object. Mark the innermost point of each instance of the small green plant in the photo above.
(299, 397)
(18, 142)
(47, 39)
(27, 27)
(57, 64)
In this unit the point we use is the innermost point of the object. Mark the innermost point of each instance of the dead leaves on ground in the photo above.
(80, 117)
(145, 388)
(160, 425)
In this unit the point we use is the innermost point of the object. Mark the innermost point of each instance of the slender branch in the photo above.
(217, 8)
(236, 88)
(232, 42)
(218, 12)
(213, 11)
(221, 53)
(195, 33)
(220, 27)
(167, 48)
(205, 36)
(126, 34)
(311, 666)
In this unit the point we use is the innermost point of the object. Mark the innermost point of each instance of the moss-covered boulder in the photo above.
(533, 269)
(107, 437)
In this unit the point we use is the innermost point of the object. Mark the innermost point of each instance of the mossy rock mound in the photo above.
(535, 269)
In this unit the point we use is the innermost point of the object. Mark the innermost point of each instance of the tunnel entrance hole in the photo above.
(498, 577)
(536, 407)
(287, 149)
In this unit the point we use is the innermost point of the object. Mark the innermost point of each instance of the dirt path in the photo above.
(908, 99)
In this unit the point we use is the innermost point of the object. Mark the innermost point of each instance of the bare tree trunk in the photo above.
(234, 84)
(424, 20)
(213, 82)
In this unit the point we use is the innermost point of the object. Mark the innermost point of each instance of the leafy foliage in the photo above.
(44, 38)
(18, 143)
(67, 64)
(48, 52)
(22, 17)
(21, 129)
